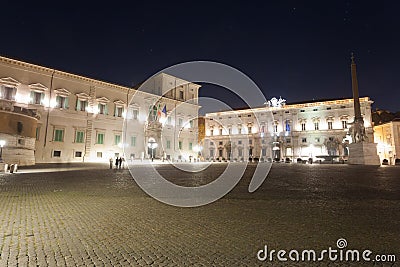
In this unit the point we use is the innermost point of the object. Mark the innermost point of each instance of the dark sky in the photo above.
(299, 50)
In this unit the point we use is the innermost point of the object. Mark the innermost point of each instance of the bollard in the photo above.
(5, 167)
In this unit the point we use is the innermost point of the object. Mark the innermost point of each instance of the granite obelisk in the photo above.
(361, 151)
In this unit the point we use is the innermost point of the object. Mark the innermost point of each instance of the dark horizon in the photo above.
(300, 51)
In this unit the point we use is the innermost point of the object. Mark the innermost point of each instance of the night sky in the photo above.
(299, 50)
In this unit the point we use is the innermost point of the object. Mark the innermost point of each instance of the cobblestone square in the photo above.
(89, 215)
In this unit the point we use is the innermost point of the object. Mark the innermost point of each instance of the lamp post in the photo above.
(152, 145)
(2, 143)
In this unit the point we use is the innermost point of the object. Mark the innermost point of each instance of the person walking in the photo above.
(120, 163)
(116, 162)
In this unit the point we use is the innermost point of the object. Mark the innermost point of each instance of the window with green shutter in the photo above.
(100, 138)
(133, 141)
(79, 138)
(190, 146)
(168, 144)
(58, 135)
(117, 139)
(180, 144)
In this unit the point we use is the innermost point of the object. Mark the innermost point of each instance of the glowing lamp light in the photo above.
(53, 103)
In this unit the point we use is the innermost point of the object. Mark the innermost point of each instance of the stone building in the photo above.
(55, 116)
(279, 130)
(387, 135)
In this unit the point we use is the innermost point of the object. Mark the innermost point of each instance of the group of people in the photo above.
(118, 162)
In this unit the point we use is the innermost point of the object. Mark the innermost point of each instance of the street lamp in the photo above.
(2, 143)
(152, 144)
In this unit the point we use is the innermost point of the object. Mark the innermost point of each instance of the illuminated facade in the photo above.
(387, 136)
(279, 131)
(81, 119)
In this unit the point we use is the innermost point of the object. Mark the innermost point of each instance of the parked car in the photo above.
(385, 162)
(397, 162)
(288, 160)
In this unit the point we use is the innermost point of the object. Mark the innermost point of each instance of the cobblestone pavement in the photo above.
(88, 215)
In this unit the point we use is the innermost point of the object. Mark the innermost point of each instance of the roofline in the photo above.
(304, 104)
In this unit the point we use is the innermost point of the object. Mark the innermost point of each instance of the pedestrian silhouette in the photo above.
(116, 162)
(120, 163)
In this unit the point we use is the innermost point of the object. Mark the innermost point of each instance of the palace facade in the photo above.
(387, 135)
(48, 115)
(282, 131)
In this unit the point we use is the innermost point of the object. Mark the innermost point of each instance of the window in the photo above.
(212, 153)
(240, 152)
(78, 154)
(211, 132)
(302, 110)
(275, 128)
(180, 144)
(221, 143)
(100, 138)
(181, 95)
(118, 111)
(133, 140)
(190, 146)
(304, 140)
(316, 125)
(240, 129)
(211, 143)
(56, 153)
(135, 114)
(249, 129)
(329, 125)
(99, 154)
(8, 92)
(180, 121)
(103, 108)
(344, 124)
(317, 140)
(239, 142)
(117, 139)
(191, 123)
(328, 108)
(169, 120)
(220, 131)
(331, 138)
(263, 141)
(263, 152)
(250, 142)
(37, 98)
(263, 129)
(288, 140)
(37, 133)
(230, 131)
(79, 137)
(168, 144)
(62, 102)
(303, 126)
(315, 109)
(81, 105)
(58, 135)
